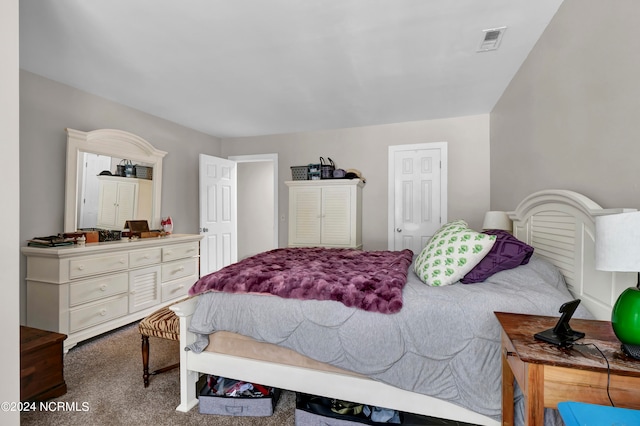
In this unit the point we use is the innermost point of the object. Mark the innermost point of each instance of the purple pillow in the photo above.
(507, 253)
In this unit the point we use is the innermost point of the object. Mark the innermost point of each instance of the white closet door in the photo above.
(417, 194)
(305, 209)
(336, 216)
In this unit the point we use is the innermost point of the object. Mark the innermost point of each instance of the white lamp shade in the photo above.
(618, 242)
(497, 220)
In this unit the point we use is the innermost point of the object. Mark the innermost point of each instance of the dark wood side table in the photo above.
(41, 364)
(548, 374)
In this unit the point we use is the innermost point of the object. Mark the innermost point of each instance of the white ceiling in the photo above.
(254, 67)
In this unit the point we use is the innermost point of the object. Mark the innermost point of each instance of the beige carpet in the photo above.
(106, 374)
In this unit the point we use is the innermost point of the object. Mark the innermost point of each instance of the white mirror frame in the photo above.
(114, 143)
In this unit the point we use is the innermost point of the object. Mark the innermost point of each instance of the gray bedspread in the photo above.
(445, 342)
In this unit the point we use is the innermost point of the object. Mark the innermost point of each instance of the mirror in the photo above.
(110, 146)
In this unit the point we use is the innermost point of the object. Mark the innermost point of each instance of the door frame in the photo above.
(442, 146)
(273, 158)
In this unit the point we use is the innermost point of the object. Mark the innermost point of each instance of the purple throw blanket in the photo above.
(368, 280)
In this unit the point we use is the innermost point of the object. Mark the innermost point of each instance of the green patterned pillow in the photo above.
(452, 252)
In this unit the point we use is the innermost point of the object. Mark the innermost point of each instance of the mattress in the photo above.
(444, 342)
(224, 342)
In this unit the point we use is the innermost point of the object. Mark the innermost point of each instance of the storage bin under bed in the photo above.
(249, 406)
(316, 411)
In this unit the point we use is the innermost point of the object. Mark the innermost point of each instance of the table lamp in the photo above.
(618, 249)
(497, 220)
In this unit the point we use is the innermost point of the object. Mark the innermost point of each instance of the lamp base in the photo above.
(631, 350)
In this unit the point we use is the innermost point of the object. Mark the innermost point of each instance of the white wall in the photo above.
(569, 118)
(366, 148)
(10, 213)
(255, 208)
(48, 107)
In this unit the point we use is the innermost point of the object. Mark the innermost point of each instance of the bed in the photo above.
(558, 224)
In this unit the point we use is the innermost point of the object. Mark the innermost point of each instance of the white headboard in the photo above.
(560, 225)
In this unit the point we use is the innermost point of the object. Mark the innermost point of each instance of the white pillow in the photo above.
(452, 252)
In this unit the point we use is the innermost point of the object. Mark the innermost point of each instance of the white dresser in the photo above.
(325, 213)
(85, 291)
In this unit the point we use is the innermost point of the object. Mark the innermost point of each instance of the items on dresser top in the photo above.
(140, 229)
(51, 241)
(83, 292)
(89, 236)
(132, 228)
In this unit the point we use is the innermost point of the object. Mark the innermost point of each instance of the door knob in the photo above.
(398, 229)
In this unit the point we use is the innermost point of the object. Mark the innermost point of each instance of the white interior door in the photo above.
(88, 202)
(417, 194)
(218, 223)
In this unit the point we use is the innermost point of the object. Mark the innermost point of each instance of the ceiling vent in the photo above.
(491, 39)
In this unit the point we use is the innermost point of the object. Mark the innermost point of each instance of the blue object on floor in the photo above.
(581, 414)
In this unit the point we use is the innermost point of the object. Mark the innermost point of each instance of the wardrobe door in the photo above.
(336, 220)
(305, 211)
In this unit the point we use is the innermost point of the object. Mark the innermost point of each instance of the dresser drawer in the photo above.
(98, 288)
(179, 251)
(179, 269)
(177, 288)
(145, 257)
(86, 266)
(97, 313)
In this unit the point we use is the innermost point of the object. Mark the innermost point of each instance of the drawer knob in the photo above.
(81, 267)
(103, 287)
(181, 268)
(123, 261)
(103, 312)
(169, 252)
(146, 256)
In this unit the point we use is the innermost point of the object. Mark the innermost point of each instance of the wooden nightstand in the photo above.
(41, 364)
(548, 374)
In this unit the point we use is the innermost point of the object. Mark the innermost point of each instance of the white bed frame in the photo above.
(559, 224)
